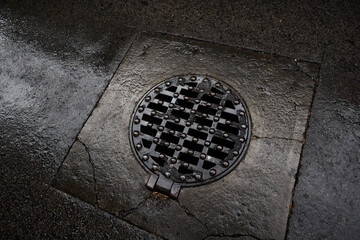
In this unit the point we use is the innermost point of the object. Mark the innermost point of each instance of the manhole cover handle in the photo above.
(164, 185)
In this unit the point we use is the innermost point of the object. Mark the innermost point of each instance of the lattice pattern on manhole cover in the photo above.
(189, 130)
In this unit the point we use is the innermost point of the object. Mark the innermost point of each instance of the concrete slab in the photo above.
(252, 200)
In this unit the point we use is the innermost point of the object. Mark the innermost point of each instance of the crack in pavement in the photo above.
(236, 235)
(193, 216)
(282, 138)
(125, 213)
(317, 82)
(301, 70)
(93, 173)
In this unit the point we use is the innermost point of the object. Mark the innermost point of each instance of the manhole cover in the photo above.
(188, 131)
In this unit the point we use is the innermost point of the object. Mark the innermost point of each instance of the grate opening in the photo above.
(171, 89)
(174, 126)
(189, 93)
(223, 142)
(202, 121)
(229, 104)
(215, 90)
(190, 129)
(188, 158)
(160, 161)
(211, 99)
(169, 138)
(205, 109)
(151, 119)
(157, 107)
(217, 154)
(164, 97)
(148, 130)
(184, 103)
(208, 165)
(146, 143)
(164, 150)
(193, 146)
(227, 128)
(229, 116)
(180, 114)
(198, 134)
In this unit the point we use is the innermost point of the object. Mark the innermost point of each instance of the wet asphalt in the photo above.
(57, 58)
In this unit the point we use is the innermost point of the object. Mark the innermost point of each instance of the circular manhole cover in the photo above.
(191, 129)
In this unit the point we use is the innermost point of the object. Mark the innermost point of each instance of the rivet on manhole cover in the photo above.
(188, 131)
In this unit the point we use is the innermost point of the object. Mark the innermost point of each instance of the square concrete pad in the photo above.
(253, 201)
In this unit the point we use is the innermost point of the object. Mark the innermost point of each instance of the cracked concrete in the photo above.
(93, 173)
(288, 139)
(193, 216)
(254, 199)
(231, 237)
(167, 218)
(310, 70)
(124, 213)
(76, 175)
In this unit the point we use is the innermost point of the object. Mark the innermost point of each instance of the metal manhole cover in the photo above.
(189, 130)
